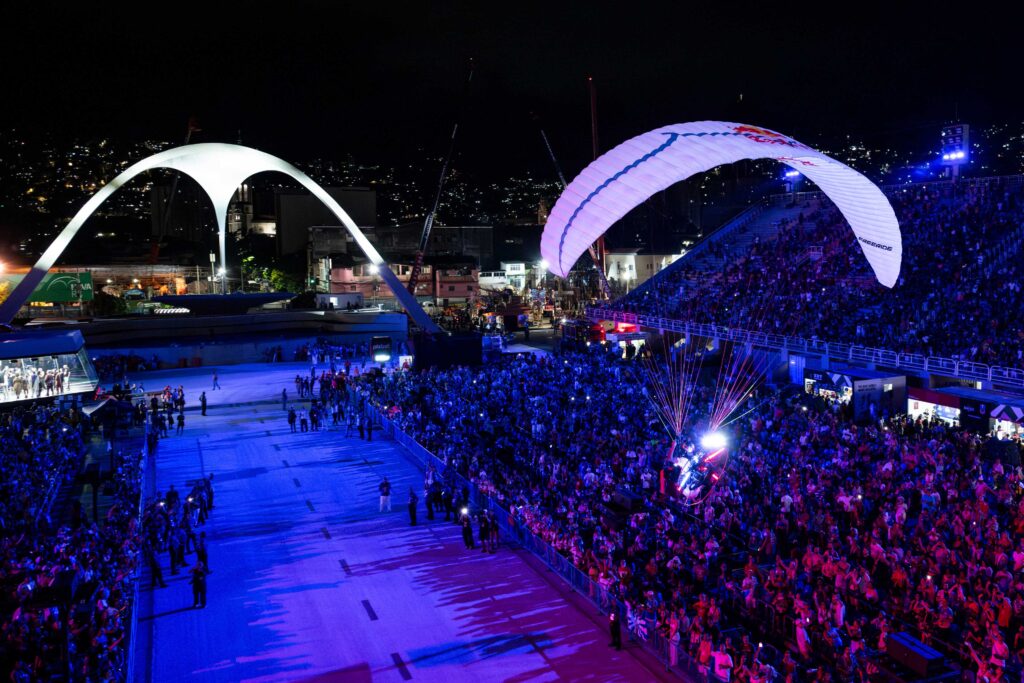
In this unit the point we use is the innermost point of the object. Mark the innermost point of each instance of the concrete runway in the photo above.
(311, 582)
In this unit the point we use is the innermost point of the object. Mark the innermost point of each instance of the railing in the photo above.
(137, 578)
(979, 372)
(46, 506)
(896, 187)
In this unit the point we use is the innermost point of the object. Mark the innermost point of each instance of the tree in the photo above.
(281, 281)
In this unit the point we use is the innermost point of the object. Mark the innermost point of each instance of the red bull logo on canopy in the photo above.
(767, 137)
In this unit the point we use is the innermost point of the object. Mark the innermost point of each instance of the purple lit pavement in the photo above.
(311, 582)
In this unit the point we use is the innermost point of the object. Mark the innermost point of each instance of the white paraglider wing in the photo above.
(627, 175)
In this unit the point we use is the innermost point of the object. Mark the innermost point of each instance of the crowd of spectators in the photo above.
(67, 588)
(958, 295)
(822, 537)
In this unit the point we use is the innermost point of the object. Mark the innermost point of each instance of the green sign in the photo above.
(58, 288)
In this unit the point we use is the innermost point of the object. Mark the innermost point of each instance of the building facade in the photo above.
(442, 285)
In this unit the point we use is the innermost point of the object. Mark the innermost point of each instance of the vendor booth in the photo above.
(931, 404)
(872, 393)
(989, 412)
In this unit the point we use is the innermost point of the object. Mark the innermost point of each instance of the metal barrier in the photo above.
(1000, 376)
(137, 578)
(892, 188)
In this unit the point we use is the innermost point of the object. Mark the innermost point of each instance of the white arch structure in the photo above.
(219, 169)
(627, 175)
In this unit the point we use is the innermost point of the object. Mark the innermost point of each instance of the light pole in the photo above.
(792, 178)
(213, 261)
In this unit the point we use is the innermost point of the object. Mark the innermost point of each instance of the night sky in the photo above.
(383, 81)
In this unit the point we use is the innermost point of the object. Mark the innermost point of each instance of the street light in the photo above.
(540, 272)
(213, 260)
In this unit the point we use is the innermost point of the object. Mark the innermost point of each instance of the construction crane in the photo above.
(154, 251)
(605, 289)
(428, 223)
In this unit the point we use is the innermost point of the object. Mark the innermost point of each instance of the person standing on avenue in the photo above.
(428, 500)
(616, 630)
(449, 507)
(176, 550)
(485, 531)
(202, 554)
(202, 402)
(413, 500)
(216, 383)
(467, 530)
(154, 565)
(385, 494)
(198, 582)
(494, 531)
(284, 399)
(208, 485)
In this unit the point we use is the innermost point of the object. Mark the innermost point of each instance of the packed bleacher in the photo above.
(958, 296)
(66, 584)
(823, 537)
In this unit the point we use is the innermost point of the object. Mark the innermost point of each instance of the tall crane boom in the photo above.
(428, 223)
(193, 127)
(605, 288)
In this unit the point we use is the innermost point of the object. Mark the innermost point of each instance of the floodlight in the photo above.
(712, 441)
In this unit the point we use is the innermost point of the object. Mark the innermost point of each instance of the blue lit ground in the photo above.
(301, 557)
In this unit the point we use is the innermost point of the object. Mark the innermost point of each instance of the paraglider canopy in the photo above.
(624, 177)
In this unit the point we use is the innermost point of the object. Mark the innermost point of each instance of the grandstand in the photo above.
(956, 311)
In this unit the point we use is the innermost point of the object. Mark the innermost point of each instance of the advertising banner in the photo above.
(56, 288)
